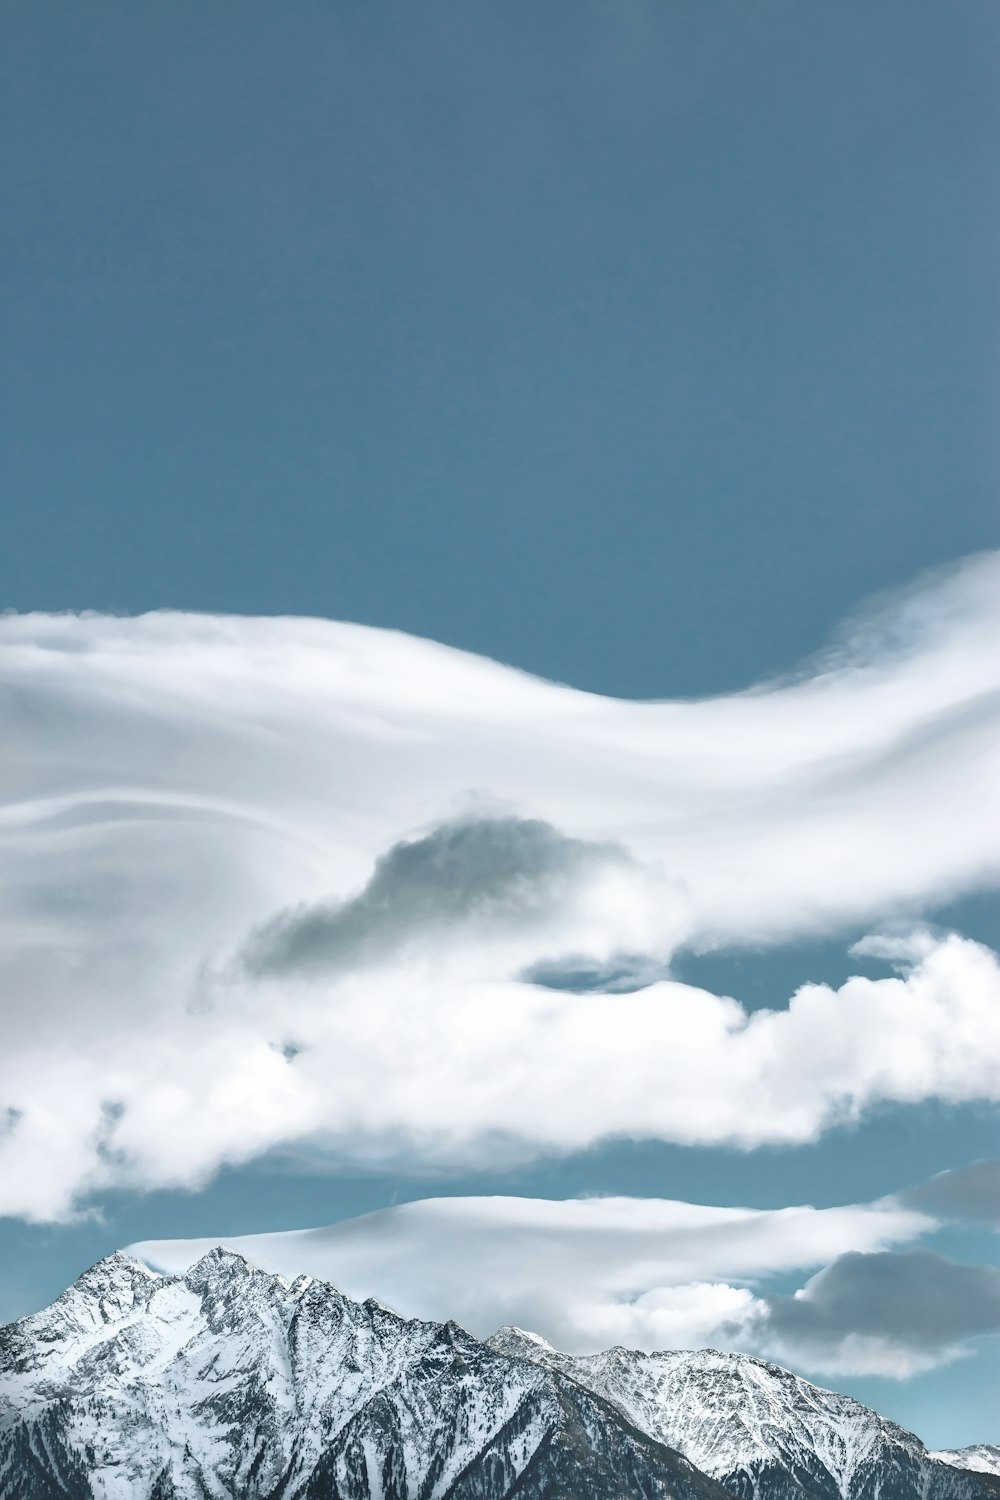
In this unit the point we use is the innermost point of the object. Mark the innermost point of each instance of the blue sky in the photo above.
(633, 344)
(636, 346)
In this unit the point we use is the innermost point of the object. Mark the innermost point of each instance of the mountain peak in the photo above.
(110, 1284)
(118, 1266)
(219, 1263)
(101, 1296)
(519, 1342)
(231, 1381)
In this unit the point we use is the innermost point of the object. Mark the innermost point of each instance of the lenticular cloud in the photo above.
(652, 1274)
(274, 880)
(585, 1273)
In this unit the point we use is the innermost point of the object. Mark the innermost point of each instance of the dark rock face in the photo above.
(230, 1384)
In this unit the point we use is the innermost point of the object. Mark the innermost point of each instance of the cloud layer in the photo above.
(652, 1274)
(274, 880)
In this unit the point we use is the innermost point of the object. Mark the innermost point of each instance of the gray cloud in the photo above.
(488, 873)
(912, 1299)
(963, 1193)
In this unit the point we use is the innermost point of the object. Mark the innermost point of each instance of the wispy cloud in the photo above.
(270, 880)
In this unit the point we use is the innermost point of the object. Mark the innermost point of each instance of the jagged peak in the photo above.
(116, 1272)
(529, 1335)
(120, 1261)
(218, 1262)
(454, 1329)
(512, 1337)
(221, 1266)
(100, 1294)
(373, 1304)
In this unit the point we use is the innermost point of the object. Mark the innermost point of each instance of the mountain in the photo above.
(983, 1458)
(231, 1384)
(762, 1432)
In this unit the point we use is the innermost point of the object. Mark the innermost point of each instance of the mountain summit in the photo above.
(228, 1383)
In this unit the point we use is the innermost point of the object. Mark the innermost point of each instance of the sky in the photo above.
(551, 819)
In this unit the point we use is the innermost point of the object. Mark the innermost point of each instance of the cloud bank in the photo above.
(651, 1274)
(266, 881)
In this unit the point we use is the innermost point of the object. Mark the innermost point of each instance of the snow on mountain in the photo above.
(229, 1383)
(982, 1458)
(232, 1384)
(763, 1432)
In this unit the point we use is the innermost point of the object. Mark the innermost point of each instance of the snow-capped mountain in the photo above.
(763, 1432)
(231, 1384)
(983, 1458)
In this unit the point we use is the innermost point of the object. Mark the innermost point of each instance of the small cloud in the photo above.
(963, 1193)
(488, 874)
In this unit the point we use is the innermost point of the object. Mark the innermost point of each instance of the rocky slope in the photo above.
(763, 1432)
(231, 1384)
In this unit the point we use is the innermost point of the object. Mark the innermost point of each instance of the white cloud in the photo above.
(652, 1274)
(173, 784)
(407, 1061)
(585, 1273)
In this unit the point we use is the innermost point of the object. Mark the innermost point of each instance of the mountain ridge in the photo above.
(756, 1427)
(983, 1458)
(229, 1383)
